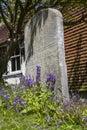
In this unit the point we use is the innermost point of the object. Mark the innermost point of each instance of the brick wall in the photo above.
(76, 55)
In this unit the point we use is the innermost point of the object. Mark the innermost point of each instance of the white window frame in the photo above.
(9, 66)
(16, 64)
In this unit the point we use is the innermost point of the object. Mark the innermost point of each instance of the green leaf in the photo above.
(0, 102)
(24, 111)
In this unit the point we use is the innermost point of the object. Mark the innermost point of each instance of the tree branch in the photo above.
(4, 18)
(20, 4)
(33, 6)
(9, 9)
(15, 11)
(24, 12)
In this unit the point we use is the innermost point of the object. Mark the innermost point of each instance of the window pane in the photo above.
(13, 64)
(18, 63)
(17, 51)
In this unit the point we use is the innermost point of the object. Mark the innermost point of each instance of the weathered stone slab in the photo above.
(44, 46)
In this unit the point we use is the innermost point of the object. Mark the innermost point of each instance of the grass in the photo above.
(10, 120)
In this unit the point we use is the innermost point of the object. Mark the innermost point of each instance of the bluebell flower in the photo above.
(29, 81)
(1, 92)
(22, 79)
(6, 97)
(19, 101)
(38, 74)
(38, 79)
(51, 78)
(51, 87)
(68, 103)
(22, 103)
(84, 118)
(38, 69)
(18, 109)
(47, 119)
(52, 96)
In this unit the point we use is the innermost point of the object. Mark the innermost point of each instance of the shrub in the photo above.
(37, 97)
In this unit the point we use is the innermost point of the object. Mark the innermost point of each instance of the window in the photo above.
(17, 59)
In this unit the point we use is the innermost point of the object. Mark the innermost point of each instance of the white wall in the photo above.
(13, 77)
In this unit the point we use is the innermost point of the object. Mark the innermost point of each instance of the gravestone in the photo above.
(44, 46)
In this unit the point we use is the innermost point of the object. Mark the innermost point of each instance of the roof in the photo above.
(3, 34)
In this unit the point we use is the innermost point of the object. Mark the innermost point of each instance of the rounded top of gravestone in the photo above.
(42, 15)
(54, 11)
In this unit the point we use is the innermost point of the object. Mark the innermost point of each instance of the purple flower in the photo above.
(60, 121)
(38, 73)
(38, 79)
(4, 94)
(84, 118)
(22, 79)
(29, 81)
(6, 97)
(78, 103)
(22, 103)
(47, 119)
(19, 101)
(38, 69)
(52, 96)
(1, 92)
(51, 78)
(18, 109)
(68, 103)
(51, 87)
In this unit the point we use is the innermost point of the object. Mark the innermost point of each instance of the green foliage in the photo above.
(10, 120)
(32, 105)
(47, 113)
(38, 100)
